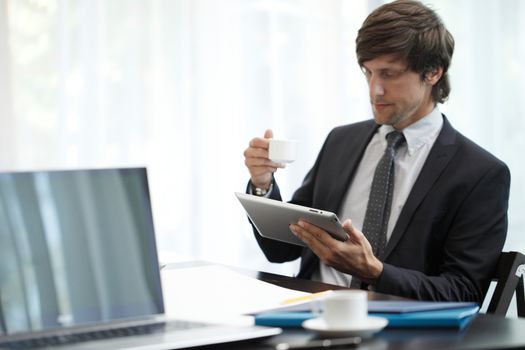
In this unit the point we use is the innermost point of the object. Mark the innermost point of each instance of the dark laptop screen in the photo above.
(76, 247)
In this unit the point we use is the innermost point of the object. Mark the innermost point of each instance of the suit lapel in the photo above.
(349, 158)
(440, 155)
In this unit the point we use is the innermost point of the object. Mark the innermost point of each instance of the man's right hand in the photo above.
(256, 159)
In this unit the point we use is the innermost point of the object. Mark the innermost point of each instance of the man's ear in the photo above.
(434, 75)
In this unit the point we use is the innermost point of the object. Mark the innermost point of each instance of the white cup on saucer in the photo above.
(345, 314)
(282, 151)
(345, 309)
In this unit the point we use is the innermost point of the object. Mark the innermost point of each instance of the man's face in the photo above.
(397, 94)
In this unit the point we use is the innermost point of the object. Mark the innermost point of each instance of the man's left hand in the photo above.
(354, 256)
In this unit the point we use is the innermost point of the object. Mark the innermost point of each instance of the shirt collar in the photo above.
(422, 132)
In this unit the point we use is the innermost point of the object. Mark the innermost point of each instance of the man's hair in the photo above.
(413, 31)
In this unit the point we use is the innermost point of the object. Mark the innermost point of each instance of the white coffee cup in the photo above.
(345, 309)
(282, 151)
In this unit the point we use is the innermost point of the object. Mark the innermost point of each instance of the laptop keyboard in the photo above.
(57, 340)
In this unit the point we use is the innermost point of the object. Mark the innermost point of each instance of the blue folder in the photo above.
(453, 317)
(404, 306)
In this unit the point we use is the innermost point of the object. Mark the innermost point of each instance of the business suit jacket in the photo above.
(450, 232)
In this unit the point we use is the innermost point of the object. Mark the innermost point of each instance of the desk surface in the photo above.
(485, 331)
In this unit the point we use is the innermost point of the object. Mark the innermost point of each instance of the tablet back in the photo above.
(272, 218)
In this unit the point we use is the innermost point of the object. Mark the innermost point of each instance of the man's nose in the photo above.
(376, 88)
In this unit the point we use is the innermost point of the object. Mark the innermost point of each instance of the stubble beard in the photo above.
(392, 118)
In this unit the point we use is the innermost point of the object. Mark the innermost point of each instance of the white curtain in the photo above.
(181, 86)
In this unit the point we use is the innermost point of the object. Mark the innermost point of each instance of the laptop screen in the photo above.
(76, 247)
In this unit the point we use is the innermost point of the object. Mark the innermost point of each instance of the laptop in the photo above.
(79, 266)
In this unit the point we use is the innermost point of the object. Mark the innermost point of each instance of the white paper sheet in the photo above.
(214, 293)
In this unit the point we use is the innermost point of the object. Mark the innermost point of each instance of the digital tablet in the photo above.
(272, 218)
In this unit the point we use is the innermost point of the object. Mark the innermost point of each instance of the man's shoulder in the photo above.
(357, 128)
(351, 136)
(468, 150)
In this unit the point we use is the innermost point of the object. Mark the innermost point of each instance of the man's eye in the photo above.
(391, 74)
(388, 74)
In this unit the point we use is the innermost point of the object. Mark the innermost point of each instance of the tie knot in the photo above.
(395, 139)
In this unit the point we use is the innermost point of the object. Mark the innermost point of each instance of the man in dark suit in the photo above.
(443, 217)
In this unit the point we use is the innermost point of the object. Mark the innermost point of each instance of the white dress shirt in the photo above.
(410, 157)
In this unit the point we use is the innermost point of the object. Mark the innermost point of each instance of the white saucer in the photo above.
(369, 327)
